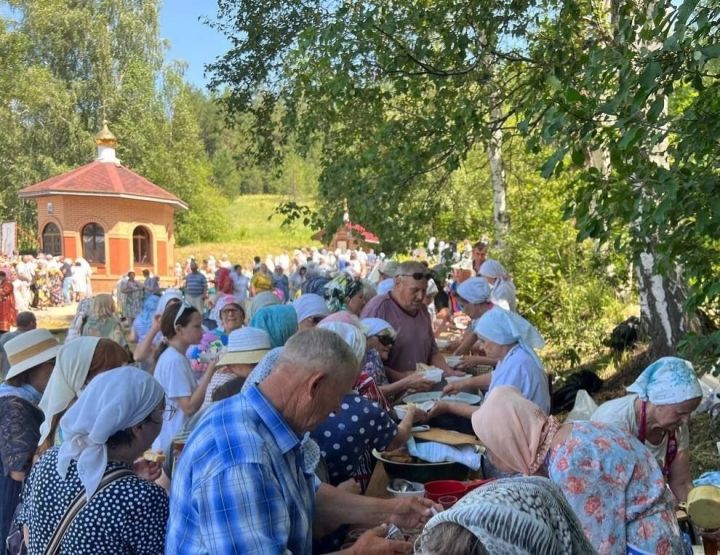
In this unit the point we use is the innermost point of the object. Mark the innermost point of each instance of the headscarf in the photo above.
(432, 288)
(315, 284)
(114, 401)
(261, 300)
(475, 290)
(493, 268)
(67, 379)
(667, 381)
(280, 321)
(505, 328)
(340, 290)
(309, 305)
(522, 515)
(352, 335)
(375, 326)
(144, 321)
(515, 430)
(345, 317)
(385, 286)
(165, 298)
(261, 282)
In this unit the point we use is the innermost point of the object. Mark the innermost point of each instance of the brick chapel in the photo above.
(111, 216)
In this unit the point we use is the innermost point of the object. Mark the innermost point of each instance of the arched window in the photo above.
(142, 253)
(93, 240)
(51, 240)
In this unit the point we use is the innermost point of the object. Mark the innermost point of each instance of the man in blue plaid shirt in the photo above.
(241, 485)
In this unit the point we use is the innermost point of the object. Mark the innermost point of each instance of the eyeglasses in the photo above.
(170, 412)
(417, 275)
(386, 340)
(183, 307)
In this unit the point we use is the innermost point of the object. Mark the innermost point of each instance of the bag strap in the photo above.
(77, 505)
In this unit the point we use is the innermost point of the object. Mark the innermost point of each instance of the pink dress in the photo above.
(617, 490)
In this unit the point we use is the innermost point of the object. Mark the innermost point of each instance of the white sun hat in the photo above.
(246, 346)
(30, 349)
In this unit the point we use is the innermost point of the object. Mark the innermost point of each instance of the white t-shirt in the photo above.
(174, 373)
(520, 370)
(621, 414)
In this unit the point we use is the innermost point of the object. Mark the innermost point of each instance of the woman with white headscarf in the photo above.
(511, 340)
(109, 427)
(77, 363)
(503, 289)
(657, 412)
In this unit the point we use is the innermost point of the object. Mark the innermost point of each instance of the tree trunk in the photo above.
(662, 300)
(499, 183)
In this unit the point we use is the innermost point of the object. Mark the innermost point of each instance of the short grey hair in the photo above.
(319, 350)
(411, 267)
(368, 290)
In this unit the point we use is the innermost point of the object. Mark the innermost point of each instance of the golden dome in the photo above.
(105, 136)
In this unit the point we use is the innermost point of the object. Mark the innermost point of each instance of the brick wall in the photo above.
(119, 217)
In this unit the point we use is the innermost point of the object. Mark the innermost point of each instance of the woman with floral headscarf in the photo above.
(345, 292)
(609, 479)
(657, 412)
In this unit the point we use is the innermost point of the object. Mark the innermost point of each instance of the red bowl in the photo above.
(439, 488)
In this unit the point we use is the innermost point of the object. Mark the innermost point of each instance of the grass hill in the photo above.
(251, 233)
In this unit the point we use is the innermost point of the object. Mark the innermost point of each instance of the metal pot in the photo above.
(423, 471)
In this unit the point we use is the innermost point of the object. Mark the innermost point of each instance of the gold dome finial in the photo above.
(105, 136)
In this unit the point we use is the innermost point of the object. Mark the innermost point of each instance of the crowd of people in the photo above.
(237, 412)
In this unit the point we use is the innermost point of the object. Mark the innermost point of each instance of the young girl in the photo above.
(181, 326)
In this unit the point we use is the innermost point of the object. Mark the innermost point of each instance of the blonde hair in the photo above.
(103, 306)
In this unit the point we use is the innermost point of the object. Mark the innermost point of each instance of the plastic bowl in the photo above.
(419, 493)
(443, 343)
(440, 488)
(434, 375)
(401, 411)
(453, 360)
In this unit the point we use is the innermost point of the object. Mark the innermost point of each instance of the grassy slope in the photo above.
(251, 233)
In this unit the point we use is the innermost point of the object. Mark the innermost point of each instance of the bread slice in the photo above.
(153, 456)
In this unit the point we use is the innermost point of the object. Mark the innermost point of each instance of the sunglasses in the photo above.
(183, 307)
(386, 340)
(417, 275)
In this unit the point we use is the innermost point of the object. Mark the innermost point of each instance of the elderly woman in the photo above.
(610, 480)
(232, 317)
(380, 339)
(132, 297)
(77, 363)
(146, 347)
(503, 290)
(261, 300)
(474, 296)
(143, 323)
(347, 437)
(310, 309)
(345, 292)
(657, 412)
(103, 321)
(90, 475)
(280, 321)
(516, 515)
(32, 357)
(511, 340)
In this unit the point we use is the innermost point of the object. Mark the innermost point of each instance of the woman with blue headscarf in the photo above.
(511, 340)
(657, 412)
(280, 321)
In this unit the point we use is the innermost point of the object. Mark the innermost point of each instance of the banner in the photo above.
(8, 239)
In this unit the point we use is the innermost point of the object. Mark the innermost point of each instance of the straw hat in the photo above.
(30, 349)
(245, 346)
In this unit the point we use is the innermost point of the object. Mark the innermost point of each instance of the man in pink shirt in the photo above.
(403, 308)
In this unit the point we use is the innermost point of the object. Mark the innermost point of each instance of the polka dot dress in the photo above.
(347, 438)
(128, 517)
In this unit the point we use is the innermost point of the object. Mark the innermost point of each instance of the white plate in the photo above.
(462, 397)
